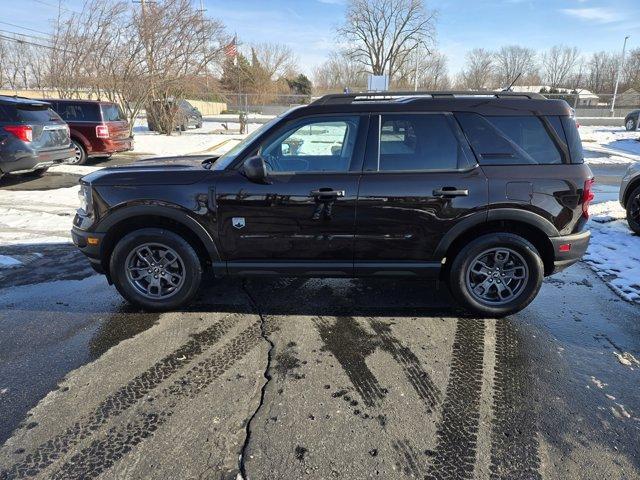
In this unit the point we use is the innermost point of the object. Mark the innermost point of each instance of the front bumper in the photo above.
(92, 250)
(578, 243)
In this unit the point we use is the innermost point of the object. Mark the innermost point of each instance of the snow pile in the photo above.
(614, 251)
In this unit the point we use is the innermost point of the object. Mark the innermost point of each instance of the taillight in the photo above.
(23, 132)
(102, 131)
(587, 197)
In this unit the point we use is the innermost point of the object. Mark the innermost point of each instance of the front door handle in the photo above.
(327, 192)
(450, 192)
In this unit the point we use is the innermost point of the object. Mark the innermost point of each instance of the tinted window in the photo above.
(509, 140)
(28, 113)
(79, 112)
(7, 113)
(323, 144)
(573, 139)
(111, 113)
(419, 142)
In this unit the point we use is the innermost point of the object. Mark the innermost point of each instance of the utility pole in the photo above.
(204, 46)
(620, 67)
(415, 77)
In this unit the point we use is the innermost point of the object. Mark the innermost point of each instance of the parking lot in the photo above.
(306, 378)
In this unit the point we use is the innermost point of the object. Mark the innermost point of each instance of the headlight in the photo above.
(86, 199)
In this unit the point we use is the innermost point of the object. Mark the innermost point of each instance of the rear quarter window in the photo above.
(510, 140)
(573, 139)
(79, 112)
(111, 113)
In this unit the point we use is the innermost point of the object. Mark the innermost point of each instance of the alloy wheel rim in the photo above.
(155, 271)
(630, 125)
(497, 276)
(78, 155)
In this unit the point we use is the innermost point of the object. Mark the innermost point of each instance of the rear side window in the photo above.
(7, 113)
(79, 112)
(419, 142)
(573, 139)
(510, 140)
(111, 113)
(36, 114)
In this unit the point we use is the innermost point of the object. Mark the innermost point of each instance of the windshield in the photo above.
(227, 159)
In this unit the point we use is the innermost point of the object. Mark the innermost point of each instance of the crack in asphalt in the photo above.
(267, 375)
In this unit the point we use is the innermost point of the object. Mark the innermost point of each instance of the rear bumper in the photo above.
(28, 162)
(578, 243)
(107, 146)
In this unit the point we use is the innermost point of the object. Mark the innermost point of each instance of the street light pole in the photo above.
(620, 66)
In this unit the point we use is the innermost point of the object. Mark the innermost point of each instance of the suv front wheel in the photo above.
(496, 274)
(155, 269)
(633, 211)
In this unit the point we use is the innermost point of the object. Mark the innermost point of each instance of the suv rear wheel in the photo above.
(630, 125)
(81, 154)
(496, 274)
(633, 211)
(155, 269)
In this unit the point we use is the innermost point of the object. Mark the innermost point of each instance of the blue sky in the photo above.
(308, 26)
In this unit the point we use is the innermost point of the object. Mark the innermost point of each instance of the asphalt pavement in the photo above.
(309, 378)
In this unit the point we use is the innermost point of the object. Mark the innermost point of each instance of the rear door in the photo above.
(302, 219)
(49, 131)
(420, 180)
(114, 118)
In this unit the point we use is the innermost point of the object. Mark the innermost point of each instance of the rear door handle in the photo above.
(327, 192)
(450, 192)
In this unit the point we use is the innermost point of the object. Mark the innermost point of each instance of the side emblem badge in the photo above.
(237, 222)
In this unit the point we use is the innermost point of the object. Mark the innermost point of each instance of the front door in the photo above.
(419, 180)
(302, 219)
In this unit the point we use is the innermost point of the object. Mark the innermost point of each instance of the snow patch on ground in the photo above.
(208, 139)
(617, 145)
(614, 251)
(9, 262)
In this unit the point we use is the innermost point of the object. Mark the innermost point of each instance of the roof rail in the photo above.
(347, 98)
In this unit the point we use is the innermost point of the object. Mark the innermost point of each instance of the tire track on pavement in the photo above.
(118, 402)
(457, 432)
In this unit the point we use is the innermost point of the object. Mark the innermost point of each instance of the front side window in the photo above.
(419, 142)
(322, 144)
(509, 140)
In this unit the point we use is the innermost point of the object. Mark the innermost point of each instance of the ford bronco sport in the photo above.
(487, 191)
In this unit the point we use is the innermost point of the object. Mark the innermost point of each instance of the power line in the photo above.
(24, 28)
(26, 35)
(26, 42)
(55, 6)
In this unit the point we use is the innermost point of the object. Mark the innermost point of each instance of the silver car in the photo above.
(630, 196)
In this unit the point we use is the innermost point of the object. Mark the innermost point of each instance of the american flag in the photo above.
(231, 50)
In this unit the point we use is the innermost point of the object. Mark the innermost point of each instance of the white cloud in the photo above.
(594, 14)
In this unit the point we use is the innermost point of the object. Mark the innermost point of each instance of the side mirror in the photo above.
(255, 169)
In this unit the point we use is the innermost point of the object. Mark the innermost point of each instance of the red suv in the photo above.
(98, 129)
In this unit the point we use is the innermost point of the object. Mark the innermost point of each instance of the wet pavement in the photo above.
(309, 378)
(295, 378)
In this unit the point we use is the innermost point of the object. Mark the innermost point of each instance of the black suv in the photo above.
(32, 136)
(487, 191)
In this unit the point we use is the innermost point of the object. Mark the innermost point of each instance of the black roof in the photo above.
(483, 102)
(15, 100)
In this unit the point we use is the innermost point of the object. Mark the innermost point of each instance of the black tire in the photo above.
(199, 125)
(183, 127)
(125, 251)
(522, 251)
(633, 211)
(630, 125)
(81, 153)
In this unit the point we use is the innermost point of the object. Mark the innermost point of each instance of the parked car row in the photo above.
(37, 134)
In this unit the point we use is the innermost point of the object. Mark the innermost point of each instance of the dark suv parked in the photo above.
(32, 136)
(98, 129)
(487, 191)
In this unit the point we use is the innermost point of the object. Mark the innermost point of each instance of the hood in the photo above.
(179, 170)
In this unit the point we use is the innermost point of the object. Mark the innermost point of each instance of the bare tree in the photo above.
(601, 72)
(430, 68)
(632, 69)
(382, 34)
(558, 64)
(478, 71)
(339, 72)
(514, 60)
(276, 59)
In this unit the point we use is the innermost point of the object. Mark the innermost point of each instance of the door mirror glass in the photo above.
(255, 169)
